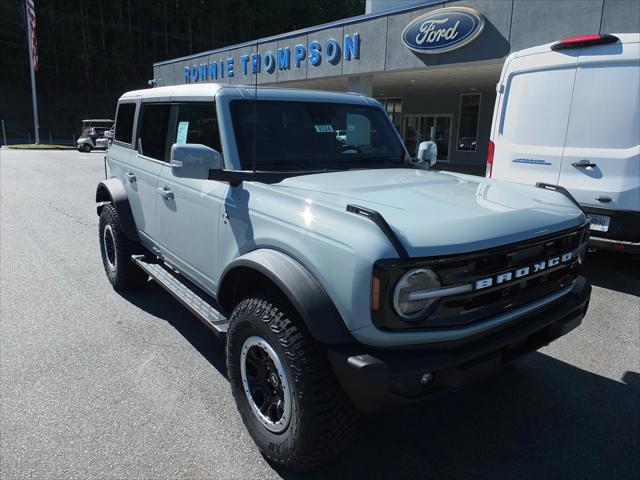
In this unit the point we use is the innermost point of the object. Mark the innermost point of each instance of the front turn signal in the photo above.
(375, 293)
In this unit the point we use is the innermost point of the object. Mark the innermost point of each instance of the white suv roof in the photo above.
(204, 90)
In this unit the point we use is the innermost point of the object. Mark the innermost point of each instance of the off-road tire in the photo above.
(121, 271)
(322, 420)
(86, 148)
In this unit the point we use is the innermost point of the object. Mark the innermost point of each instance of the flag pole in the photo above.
(33, 80)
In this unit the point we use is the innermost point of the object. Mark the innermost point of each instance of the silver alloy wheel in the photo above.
(109, 247)
(265, 384)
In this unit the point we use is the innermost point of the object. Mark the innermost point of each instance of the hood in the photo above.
(441, 213)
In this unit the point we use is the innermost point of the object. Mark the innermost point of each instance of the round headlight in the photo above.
(414, 281)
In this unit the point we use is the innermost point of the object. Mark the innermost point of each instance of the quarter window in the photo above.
(152, 140)
(124, 122)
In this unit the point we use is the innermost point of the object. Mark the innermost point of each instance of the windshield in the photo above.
(91, 127)
(313, 136)
(97, 123)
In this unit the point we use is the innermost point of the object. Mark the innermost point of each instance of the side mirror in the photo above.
(428, 153)
(192, 160)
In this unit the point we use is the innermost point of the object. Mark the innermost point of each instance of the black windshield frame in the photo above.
(312, 136)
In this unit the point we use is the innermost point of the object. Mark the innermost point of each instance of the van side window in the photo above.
(124, 122)
(537, 109)
(605, 112)
(197, 123)
(153, 130)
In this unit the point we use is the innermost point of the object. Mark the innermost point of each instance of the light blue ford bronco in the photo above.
(345, 276)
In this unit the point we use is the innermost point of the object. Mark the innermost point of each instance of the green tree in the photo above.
(92, 52)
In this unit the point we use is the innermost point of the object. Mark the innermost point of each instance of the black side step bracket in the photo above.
(189, 296)
(379, 220)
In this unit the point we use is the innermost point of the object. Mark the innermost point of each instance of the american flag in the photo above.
(31, 19)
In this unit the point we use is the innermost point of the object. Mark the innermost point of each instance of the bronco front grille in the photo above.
(476, 305)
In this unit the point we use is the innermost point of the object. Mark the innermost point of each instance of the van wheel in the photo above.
(116, 250)
(86, 148)
(285, 390)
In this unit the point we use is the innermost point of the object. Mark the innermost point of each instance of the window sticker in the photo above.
(183, 129)
(324, 128)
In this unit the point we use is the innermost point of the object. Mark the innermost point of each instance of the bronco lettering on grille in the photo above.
(521, 272)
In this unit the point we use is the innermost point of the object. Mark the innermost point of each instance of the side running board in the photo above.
(195, 300)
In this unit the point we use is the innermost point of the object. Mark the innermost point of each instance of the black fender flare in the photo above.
(302, 289)
(112, 191)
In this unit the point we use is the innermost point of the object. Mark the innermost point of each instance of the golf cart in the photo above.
(92, 135)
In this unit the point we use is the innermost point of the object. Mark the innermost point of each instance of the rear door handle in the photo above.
(584, 164)
(165, 192)
(131, 177)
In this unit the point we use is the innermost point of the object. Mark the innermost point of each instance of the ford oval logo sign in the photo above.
(443, 30)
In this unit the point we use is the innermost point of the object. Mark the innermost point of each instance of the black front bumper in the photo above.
(375, 379)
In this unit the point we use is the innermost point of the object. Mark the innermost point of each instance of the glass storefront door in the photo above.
(422, 128)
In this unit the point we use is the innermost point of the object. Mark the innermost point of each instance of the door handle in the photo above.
(131, 177)
(584, 164)
(165, 192)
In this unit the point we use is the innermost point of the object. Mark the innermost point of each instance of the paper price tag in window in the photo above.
(324, 128)
(183, 129)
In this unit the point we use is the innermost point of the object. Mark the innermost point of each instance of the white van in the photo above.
(567, 115)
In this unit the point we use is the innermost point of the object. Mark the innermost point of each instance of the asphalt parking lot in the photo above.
(97, 385)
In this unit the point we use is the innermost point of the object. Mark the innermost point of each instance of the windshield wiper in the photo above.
(284, 165)
(367, 160)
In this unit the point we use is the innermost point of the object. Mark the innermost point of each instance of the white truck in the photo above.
(567, 116)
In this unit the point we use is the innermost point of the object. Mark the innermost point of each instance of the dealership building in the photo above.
(433, 65)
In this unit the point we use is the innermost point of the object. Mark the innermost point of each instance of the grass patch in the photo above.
(41, 146)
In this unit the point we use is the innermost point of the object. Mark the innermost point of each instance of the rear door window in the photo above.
(152, 137)
(537, 107)
(124, 122)
(605, 112)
